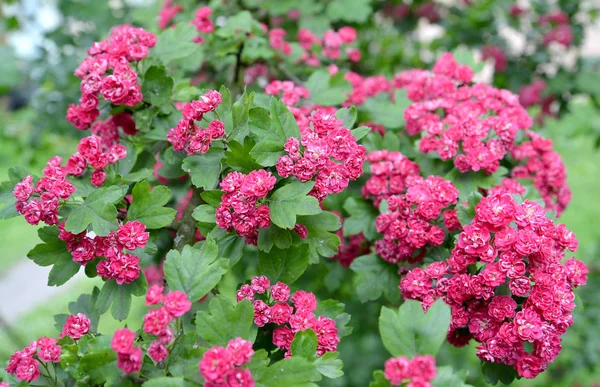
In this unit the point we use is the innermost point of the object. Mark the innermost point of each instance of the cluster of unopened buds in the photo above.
(222, 366)
(240, 209)
(124, 268)
(323, 144)
(506, 284)
(389, 173)
(107, 71)
(156, 322)
(189, 137)
(271, 306)
(408, 226)
(24, 364)
(418, 372)
(478, 124)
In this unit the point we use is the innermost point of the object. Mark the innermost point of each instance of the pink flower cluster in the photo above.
(203, 23)
(108, 130)
(478, 124)
(118, 265)
(418, 372)
(547, 170)
(156, 322)
(92, 151)
(408, 226)
(129, 357)
(363, 87)
(291, 93)
(330, 155)
(24, 364)
(497, 55)
(167, 13)
(561, 31)
(189, 137)
(240, 208)
(107, 71)
(40, 202)
(330, 45)
(506, 284)
(221, 366)
(389, 174)
(277, 310)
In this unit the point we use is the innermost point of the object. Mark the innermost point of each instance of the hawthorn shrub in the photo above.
(247, 174)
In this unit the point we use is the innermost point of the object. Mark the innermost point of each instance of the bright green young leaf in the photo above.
(305, 344)
(360, 132)
(175, 43)
(195, 271)
(98, 210)
(375, 277)
(322, 239)
(204, 169)
(204, 213)
(409, 331)
(329, 365)
(284, 265)
(238, 157)
(361, 219)
(328, 90)
(119, 296)
(446, 377)
(292, 200)
(53, 252)
(240, 113)
(225, 321)
(148, 206)
(379, 380)
(157, 86)
(212, 197)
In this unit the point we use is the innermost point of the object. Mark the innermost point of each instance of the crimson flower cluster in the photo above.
(203, 23)
(189, 137)
(418, 372)
(363, 87)
(240, 209)
(546, 168)
(24, 364)
(407, 227)
(167, 13)
(108, 130)
(118, 265)
(291, 93)
(299, 317)
(506, 284)
(560, 29)
(221, 366)
(389, 173)
(107, 71)
(478, 124)
(323, 145)
(174, 304)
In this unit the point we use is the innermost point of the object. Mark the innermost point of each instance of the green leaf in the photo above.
(472, 181)
(148, 206)
(54, 252)
(166, 381)
(119, 296)
(225, 321)
(375, 277)
(587, 81)
(328, 90)
(204, 213)
(204, 169)
(273, 236)
(238, 25)
(195, 271)
(498, 372)
(98, 210)
(175, 43)
(238, 157)
(322, 239)
(292, 200)
(410, 332)
(267, 152)
(240, 113)
(305, 344)
(379, 380)
(329, 365)
(360, 132)
(292, 372)
(384, 111)
(335, 310)
(466, 214)
(157, 86)
(362, 218)
(212, 197)
(284, 265)
(348, 115)
(352, 11)
(446, 377)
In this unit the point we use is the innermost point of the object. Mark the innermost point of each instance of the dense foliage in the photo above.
(280, 183)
